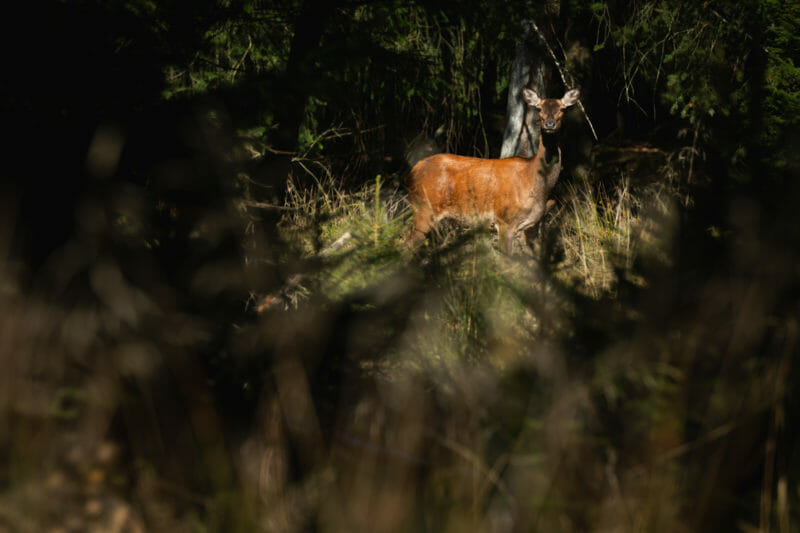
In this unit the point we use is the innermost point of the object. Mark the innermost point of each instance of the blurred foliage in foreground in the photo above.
(207, 322)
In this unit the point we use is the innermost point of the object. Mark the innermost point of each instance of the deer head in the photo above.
(551, 110)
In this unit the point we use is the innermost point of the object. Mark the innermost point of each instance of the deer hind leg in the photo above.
(423, 222)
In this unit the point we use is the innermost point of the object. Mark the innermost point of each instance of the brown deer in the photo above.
(510, 192)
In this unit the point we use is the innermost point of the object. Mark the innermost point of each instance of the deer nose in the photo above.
(549, 124)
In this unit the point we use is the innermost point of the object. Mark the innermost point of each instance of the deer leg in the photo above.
(534, 233)
(505, 236)
(538, 226)
(534, 222)
(423, 222)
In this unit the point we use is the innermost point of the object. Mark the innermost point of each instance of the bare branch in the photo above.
(562, 71)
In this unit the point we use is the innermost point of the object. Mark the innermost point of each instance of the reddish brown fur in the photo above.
(510, 192)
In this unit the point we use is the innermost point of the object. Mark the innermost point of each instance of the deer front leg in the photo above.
(547, 206)
(534, 232)
(505, 236)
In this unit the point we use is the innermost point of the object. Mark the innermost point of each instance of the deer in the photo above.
(511, 192)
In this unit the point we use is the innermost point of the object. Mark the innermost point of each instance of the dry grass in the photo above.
(603, 233)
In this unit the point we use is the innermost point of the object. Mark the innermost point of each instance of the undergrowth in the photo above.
(477, 305)
(453, 387)
(595, 237)
(492, 347)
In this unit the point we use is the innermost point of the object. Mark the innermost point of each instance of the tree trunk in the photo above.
(297, 77)
(529, 69)
(292, 92)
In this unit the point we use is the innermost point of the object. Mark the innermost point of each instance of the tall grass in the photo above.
(501, 404)
(450, 388)
(602, 233)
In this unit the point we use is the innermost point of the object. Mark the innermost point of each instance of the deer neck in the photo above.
(550, 155)
(549, 149)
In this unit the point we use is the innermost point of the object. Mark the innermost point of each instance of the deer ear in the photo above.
(570, 97)
(531, 97)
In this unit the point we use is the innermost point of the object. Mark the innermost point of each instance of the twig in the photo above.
(712, 435)
(334, 132)
(467, 455)
(241, 61)
(265, 205)
(279, 152)
(694, 150)
(337, 244)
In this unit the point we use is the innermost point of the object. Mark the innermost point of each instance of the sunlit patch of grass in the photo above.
(603, 233)
(356, 236)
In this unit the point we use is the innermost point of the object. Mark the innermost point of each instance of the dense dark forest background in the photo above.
(208, 321)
